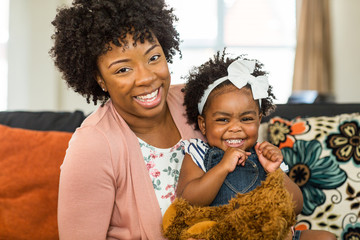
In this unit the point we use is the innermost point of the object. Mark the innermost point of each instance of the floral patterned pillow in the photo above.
(323, 154)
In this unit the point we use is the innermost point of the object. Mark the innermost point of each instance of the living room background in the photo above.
(34, 83)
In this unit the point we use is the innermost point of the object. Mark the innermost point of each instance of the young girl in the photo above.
(226, 99)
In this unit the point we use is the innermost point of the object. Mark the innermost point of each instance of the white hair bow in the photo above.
(239, 74)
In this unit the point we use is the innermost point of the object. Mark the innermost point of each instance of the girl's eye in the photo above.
(222, 120)
(245, 119)
(154, 58)
(123, 70)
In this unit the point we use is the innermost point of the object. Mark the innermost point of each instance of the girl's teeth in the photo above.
(233, 141)
(148, 97)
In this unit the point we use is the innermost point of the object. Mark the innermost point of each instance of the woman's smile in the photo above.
(149, 100)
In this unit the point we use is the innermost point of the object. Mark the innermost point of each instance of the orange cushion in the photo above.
(29, 178)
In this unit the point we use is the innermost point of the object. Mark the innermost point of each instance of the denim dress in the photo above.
(242, 180)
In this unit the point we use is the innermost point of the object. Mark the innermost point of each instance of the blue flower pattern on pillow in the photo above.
(312, 173)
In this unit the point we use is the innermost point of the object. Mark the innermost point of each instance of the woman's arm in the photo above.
(86, 191)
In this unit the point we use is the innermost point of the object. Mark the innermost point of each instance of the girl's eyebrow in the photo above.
(221, 113)
(248, 112)
(228, 114)
(126, 60)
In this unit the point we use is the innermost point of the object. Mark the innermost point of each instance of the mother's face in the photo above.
(136, 77)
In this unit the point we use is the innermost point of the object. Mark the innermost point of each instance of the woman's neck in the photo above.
(159, 132)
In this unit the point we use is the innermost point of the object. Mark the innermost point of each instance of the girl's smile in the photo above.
(234, 143)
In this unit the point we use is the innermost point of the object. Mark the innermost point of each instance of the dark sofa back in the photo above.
(43, 120)
(290, 111)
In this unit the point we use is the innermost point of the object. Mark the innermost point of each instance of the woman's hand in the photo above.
(269, 156)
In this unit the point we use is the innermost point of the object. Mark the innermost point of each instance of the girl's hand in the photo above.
(269, 156)
(234, 157)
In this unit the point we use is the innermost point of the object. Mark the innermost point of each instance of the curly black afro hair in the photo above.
(84, 30)
(201, 77)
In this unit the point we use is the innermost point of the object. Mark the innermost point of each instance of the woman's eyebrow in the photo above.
(126, 60)
(151, 48)
(118, 61)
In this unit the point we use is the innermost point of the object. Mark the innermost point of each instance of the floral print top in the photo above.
(164, 169)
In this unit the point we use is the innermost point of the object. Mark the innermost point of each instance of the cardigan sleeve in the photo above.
(87, 187)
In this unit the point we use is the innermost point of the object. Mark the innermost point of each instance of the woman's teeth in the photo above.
(148, 97)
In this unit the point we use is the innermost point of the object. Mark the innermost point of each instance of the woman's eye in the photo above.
(123, 70)
(154, 58)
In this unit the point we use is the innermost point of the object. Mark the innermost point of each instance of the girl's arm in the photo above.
(270, 158)
(201, 188)
(196, 186)
(296, 193)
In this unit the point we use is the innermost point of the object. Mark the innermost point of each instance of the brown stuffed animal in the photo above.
(265, 213)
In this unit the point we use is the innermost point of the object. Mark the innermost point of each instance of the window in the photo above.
(4, 36)
(262, 29)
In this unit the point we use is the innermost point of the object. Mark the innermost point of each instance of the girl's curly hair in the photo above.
(84, 30)
(199, 78)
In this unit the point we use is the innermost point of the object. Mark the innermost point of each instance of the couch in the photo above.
(32, 148)
(317, 140)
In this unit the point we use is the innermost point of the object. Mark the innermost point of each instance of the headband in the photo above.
(239, 74)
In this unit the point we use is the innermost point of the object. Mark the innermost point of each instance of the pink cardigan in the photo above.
(105, 190)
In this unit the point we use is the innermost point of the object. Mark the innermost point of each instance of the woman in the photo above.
(122, 164)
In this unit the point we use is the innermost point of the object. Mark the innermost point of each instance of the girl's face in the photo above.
(231, 119)
(137, 79)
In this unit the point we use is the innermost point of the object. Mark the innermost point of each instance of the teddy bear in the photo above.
(267, 212)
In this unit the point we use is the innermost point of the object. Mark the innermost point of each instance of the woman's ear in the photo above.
(201, 124)
(101, 82)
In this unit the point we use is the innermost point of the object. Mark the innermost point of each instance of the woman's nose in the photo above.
(145, 75)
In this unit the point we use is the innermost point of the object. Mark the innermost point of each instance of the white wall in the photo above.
(32, 77)
(35, 84)
(346, 49)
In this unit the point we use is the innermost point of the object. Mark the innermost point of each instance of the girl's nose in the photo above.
(144, 76)
(235, 127)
